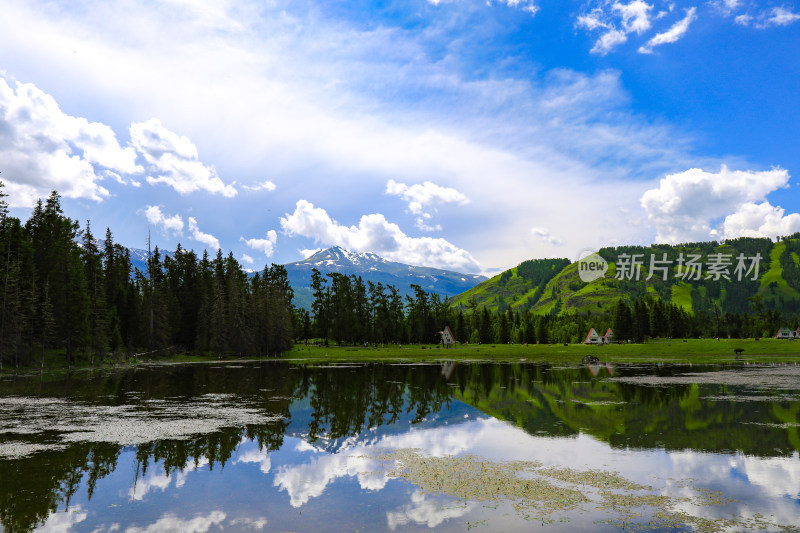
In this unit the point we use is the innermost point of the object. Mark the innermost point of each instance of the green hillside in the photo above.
(553, 286)
(520, 286)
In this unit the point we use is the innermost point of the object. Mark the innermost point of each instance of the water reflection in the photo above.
(273, 446)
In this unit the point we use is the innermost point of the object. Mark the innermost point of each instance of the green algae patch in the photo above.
(552, 493)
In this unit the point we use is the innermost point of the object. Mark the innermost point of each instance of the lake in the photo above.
(281, 446)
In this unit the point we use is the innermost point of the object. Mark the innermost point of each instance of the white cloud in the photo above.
(176, 160)
(375, 234)
(170, 522)
(618, 21)
(672, 35)
(263, 186)
(635, 16)
(420, 196)
(608, 41)
(265, 245)
(525, 5)
(247, 259)
(777, 16)
(206, 238)
(545, 235)
(43, 149)
(686, 206)
(726, 7)
(760, 220)
(167, 223)
(250, 523)
(308, 252)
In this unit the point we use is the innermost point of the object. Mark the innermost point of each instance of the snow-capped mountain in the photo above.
(372, 267)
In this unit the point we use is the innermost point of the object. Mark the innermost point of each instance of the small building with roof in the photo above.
(786, 333)
(595, 338)
(446, 337)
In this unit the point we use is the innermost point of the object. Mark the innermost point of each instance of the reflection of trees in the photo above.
(33, 488)
(566, 401)
(347, 401)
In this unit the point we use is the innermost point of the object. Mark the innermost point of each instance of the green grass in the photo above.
(667, 351)
(660, 350)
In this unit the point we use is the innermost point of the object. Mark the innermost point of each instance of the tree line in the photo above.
(64, 290)
(345, 310)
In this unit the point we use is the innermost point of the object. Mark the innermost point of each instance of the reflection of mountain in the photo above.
(303, 417)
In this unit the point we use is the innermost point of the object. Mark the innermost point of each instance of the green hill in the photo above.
(553, 286)
(520, 286)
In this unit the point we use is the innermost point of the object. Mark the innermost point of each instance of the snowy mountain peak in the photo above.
(374, 268)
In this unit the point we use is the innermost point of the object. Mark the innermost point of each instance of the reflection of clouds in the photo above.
(428, 510)
(779, 476)
(63, 521)
(309, 480)
(306, 481)
(257, 456)
(161, 481)
(171, 523)
(149, 483)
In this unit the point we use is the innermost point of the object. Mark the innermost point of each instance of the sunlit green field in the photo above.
(666, 350)
(675, 351)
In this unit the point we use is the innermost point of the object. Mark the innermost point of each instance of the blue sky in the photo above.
(462, 134)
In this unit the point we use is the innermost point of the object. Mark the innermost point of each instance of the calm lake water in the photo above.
(274, 446)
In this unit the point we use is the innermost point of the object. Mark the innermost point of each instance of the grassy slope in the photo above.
(775, 275)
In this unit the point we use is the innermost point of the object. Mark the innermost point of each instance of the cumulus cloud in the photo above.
(421, 197)
(777, 16)
(263, 186)
(635, 16)
(672, 35)
(264, 245)
(760, 220)
(43, 149)
(686, 206)
(247, 259)
(167, 223)
(206, 238)
(376, 234)
(617, 20)
(175, 160)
